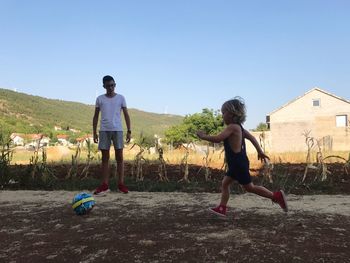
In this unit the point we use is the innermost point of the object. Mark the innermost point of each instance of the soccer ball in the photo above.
(83, 203)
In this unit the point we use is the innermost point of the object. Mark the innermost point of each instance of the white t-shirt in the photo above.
(110, 112)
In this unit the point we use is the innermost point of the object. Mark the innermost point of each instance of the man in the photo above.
(110, 105)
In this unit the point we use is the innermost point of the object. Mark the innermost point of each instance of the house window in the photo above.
(268, 122)
(341, 120)
(316, 102)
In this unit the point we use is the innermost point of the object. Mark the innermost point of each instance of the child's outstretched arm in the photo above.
(261, 155)
(219, 137)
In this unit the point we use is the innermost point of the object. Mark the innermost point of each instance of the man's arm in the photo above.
(127, 121)
(251, 138)
(94, 124)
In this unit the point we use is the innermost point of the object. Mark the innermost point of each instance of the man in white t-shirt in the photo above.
(110, 105)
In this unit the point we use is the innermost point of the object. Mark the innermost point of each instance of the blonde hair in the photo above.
(237, 107)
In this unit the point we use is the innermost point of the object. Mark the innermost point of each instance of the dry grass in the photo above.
(54, 154)
(63, 154)
(300, 157)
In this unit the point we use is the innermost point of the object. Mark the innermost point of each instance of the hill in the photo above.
(23, 113)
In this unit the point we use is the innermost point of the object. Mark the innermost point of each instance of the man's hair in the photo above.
(237, 107)
(107, 78)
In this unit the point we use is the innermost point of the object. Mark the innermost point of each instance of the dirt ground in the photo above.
(40, 226)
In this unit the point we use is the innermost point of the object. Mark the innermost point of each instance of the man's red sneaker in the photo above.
(102, 189)
(122, 188)
(279, 197)
(219, 210)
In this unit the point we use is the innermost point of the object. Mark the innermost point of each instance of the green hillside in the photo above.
(23, 113)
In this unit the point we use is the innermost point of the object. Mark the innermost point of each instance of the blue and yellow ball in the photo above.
(83, 203)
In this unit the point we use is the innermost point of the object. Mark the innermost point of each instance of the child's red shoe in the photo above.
(279, 197)
(219, 210)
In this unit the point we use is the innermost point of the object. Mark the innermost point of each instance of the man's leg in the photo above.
(104, 188)
(120, 165)
(118, 148)
(105, 166)
(120, 171)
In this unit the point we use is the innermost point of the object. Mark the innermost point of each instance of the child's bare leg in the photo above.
(259, 190)
(225, 190)
(105, 166)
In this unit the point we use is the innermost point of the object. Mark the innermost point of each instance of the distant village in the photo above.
(32, 141)
(317, 114)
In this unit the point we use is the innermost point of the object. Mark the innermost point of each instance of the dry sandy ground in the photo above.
(40, 226)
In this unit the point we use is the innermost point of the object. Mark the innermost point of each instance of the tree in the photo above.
(208, 120)
(145, 140)
(261, 127)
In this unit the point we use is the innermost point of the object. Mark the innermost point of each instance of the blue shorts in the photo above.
(106, 137)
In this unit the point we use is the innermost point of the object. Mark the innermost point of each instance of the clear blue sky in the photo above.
(177, 56)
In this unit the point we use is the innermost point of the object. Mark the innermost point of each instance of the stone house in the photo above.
(323, 115)
(17, 139)
(63, 139)
(31, 140)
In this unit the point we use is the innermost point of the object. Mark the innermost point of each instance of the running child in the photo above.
(234, 115)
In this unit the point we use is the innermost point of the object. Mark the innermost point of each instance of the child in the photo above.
(234, 114)
(111, 104)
